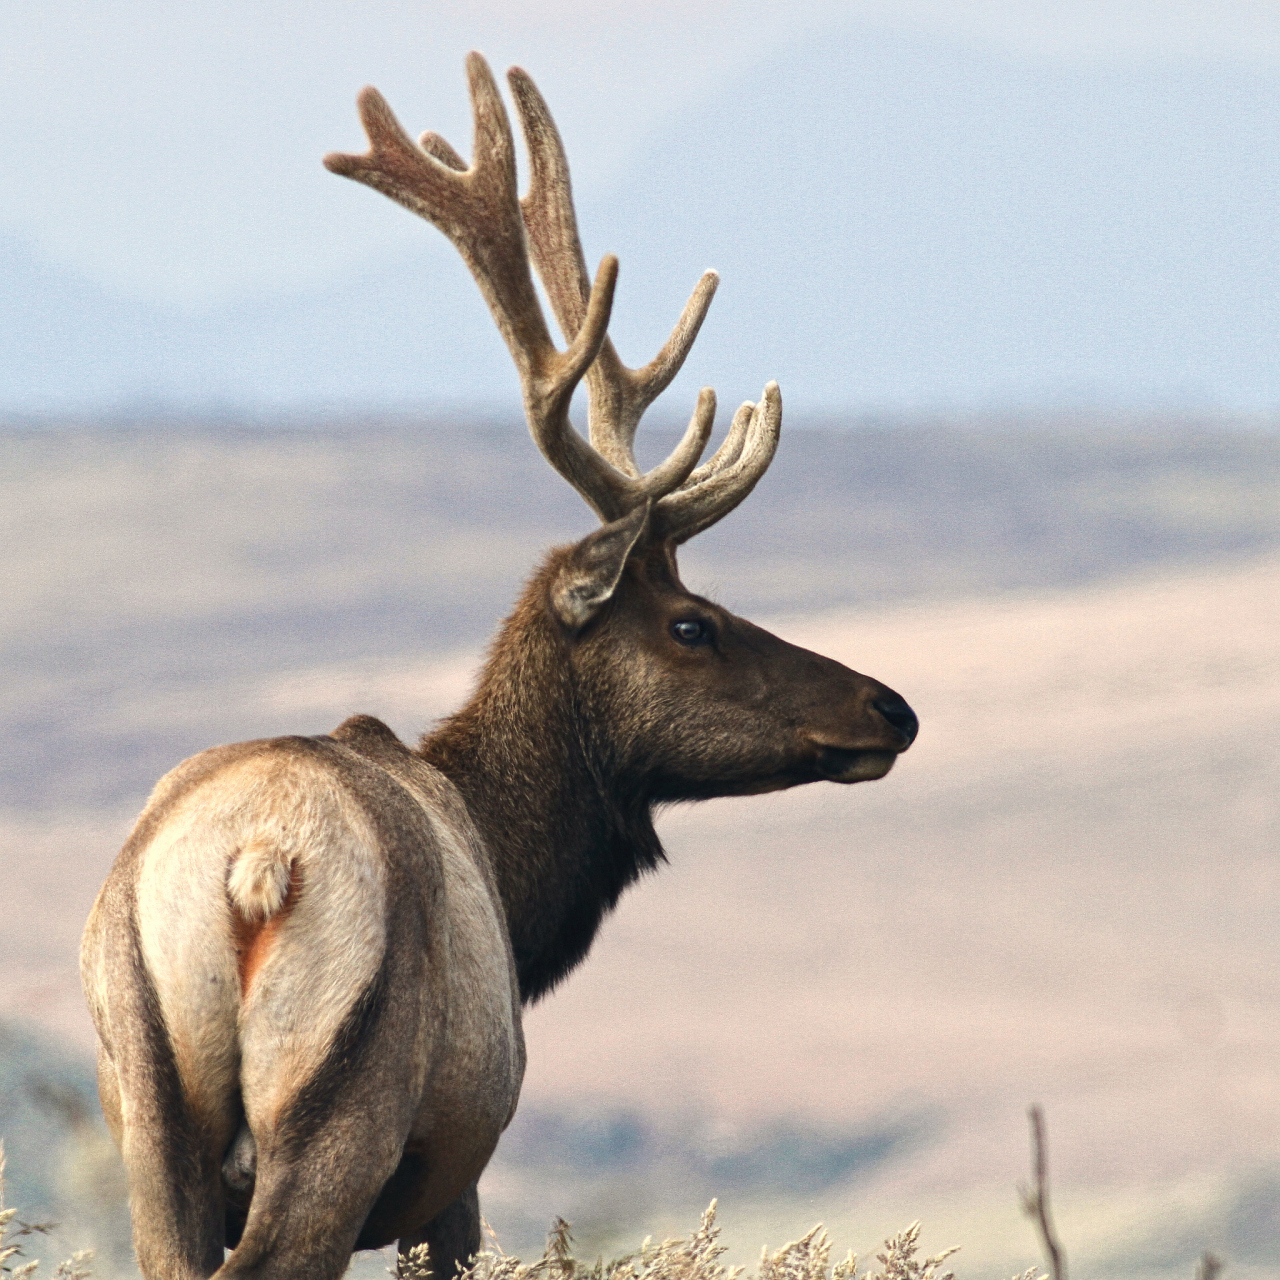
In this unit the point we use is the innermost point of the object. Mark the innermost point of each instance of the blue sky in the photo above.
(164, 165)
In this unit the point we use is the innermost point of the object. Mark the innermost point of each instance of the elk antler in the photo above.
(618, 395)
(477, 207)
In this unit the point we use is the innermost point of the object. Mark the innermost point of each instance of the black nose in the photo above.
(898, 714)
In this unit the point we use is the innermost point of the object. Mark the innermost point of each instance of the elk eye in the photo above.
(691, 631)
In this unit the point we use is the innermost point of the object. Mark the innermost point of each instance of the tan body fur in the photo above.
(251, 1027)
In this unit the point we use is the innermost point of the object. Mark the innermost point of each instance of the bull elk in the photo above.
(308, 964)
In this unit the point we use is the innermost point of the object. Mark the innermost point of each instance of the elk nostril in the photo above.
(898, 714)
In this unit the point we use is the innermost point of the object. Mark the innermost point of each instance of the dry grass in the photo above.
(697, 1257)
(14, 1232)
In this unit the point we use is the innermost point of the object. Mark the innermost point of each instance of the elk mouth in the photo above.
(846, 764)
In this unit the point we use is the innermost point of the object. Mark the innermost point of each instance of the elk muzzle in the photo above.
(893, 708)
(838, 763)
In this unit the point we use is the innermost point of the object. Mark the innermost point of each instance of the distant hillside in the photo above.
(153, 571)
(905, 222)
(403, 332)
(59, 1161)
(833, 1003)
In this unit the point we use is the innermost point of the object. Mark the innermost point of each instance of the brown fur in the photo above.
(570, 741)
(544, 785)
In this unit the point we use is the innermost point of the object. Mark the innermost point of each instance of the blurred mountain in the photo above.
(155, 563)
(909, 223)
(390, 335)
(900, 223)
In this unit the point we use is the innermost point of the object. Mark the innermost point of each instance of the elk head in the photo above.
(687, 699)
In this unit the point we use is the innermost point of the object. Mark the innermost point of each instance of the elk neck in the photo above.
(567, 829)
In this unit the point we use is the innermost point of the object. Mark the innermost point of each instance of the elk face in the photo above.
(698, 702)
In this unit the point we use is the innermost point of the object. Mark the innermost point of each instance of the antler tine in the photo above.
(439, 149)
(729, 451)
(477, 207)
(714, 490)
(618, 395)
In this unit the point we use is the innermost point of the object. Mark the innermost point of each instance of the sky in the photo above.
(169, 155)
(173, 150)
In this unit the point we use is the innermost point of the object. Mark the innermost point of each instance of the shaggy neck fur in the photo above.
(566, 826)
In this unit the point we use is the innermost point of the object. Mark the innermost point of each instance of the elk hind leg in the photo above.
(452, 1238)
(172, 1165)
(310, 1199)
(325, 1154)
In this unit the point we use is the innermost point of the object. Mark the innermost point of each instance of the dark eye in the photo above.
(691, 631)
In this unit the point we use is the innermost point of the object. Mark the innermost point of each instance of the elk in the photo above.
(307, 966)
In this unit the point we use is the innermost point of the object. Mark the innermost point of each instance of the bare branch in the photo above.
(1035, 1201)
(1208, 1267)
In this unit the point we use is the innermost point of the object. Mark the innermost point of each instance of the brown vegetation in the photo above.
(697, 1257)
(13, 1229)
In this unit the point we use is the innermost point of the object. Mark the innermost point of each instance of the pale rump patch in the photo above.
(306, 967)
(264, 914)
(275, 878)
(256, 935)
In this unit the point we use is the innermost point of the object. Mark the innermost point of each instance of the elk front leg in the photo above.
(452, 1237)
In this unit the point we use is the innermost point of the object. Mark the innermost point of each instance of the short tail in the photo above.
(258, 883)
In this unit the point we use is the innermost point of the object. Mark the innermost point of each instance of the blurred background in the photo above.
(262, 466)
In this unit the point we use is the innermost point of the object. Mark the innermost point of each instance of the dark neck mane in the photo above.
(566, 828)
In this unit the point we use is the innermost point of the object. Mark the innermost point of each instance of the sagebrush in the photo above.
(13, 1230)
(699, 1258)
(695, 1258)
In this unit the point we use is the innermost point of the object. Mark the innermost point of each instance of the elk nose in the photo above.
(897, 713)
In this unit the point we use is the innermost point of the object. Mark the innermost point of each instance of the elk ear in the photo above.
(589, 577)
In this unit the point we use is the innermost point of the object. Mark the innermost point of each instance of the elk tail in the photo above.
(260, 876)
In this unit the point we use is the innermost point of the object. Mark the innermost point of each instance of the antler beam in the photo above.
(496, 232)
